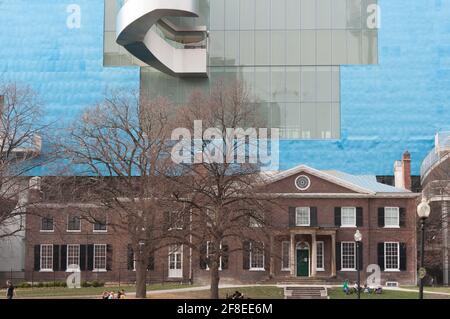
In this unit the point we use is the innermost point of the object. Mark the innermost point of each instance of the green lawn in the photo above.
(257, 292)
(337, 293)
(85, 292)
(432, 289)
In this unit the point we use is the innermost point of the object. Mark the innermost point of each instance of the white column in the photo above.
(333, 255)
(445, 242)
(313, 255)
(292, 256)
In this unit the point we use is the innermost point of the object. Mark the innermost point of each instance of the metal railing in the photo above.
(441, 150)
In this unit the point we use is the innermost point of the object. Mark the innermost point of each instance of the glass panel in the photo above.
(335, 84)
(323, 87)
(323, 10)
(247, 15)
(232, 48)
(308, 14)
(262, 48)
(339, 14)
(231, 15)
(247, 52)
(323, 47)
(278, 84)
(278, 14)
(217, 17)
(278, 48)
(262, 15)
(308, 120)
(293, 84)
(292, 121)
(336, 120)
(275, 114)
(353, 14)
(217, 48)
(324, 120)
(293, 14)
(369, 47)
(293, 49)
(262, 83)
(354, 47)
(339, 47)
(308, 84)
(308, 47)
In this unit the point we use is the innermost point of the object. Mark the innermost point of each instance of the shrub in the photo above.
(40, 285)
(96, 284)
(24, 285)
(86, 284)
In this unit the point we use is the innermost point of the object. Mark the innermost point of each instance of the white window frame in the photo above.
(321, 243)
(283, 243)
(263, 268)
(354, 256)
(67, 258)
(207, 256)
(254, 222)
(94, 257)
(172, 223)
(298, 210)
(342, 217)
(398, 217)
(101, 231)
(71, 230)
(53, 225)
(178, 251)
(398, 257)
(42, 269)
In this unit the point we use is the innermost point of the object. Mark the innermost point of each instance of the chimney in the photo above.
(402, 172)
(406, 170)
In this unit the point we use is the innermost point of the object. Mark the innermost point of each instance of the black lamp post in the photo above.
(358, 239)
(423, 211)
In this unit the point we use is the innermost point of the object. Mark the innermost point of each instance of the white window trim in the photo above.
(398, 257)
(48, 231)
(309, 217)
(106, 259)
(100, 231)
(323, 254)
(40, 261)
(263, 258)
(398, 218)
(207, 254)
(282, 254)
(180, 252)
(72, 231)
(342, 217)
(354, 256)
(174, 228)
(67, 258)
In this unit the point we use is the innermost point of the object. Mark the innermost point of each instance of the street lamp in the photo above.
(358, 239)
(423, 211)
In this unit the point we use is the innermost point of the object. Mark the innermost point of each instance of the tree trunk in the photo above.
(215, 278)
(141, 278)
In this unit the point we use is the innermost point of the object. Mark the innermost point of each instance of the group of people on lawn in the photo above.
(112, 295)
(366, 289)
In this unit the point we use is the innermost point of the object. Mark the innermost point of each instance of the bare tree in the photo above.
(21, 132)
(222, 191)
(122, 144)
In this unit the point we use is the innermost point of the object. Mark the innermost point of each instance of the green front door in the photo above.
(302, 263)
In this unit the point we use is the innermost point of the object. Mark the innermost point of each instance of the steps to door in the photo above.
(305, 293)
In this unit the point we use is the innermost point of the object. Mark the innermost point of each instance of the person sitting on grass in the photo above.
(366, 289)
(379, 290)
(10, 290)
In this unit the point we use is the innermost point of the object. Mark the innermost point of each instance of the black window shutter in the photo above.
(381, 255)
(337, 216)
(359, 217)
(403, 265)
(82, 257)
(37, 257)
(109, 257)
(292, 217)
(130, 257)
(225, 256)
(90, 257)
(203, 257)
(313, 217)
(380, 216)
(338, 255)
(402, 217)
(151, 262)
(360, 257)
(56, 258)
(246, 255)
(63, 262)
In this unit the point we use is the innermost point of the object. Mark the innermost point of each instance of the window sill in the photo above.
(46, 231)
(99, 270)
(74, 231)
(348, 226)
(320, 269)
(46, 270)
(348, 270)
(73, 270)
(306, 225)
(257, 269)
(100, 231)
(285, 269)
(391, 227)
(392, 270)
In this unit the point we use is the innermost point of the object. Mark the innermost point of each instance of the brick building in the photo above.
(312, 236)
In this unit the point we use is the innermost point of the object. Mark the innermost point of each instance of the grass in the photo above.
(61, 292)
(337, 293)
(257, 292)
(431, 289)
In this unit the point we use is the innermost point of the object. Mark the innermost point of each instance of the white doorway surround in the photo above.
(176, 261)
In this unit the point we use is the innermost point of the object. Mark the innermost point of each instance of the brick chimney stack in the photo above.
(406, 170)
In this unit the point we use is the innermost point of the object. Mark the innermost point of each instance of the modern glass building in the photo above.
(348, 91)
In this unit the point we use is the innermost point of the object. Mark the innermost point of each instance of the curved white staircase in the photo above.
(144, 32)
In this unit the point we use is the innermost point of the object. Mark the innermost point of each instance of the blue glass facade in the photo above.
(387, 108)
